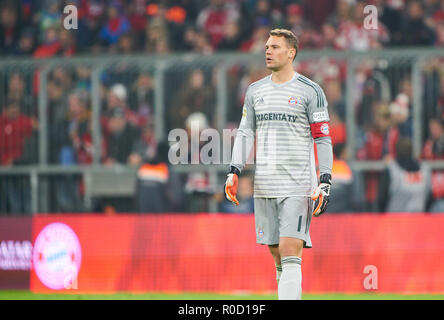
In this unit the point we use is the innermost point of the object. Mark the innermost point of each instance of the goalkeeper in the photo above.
(286, 113)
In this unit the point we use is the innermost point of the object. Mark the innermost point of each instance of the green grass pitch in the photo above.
(26, 295)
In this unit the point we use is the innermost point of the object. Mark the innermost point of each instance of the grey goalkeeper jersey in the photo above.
(280, 117)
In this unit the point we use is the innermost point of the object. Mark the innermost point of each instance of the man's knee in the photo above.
(274, 250)
(290, 247)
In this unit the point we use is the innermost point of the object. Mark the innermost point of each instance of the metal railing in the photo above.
(169, 74)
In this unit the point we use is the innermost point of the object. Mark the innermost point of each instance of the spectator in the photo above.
(341, 14)
(9, 28)
(116, 100)
(405, 184)
(56, 108)
(440, 34)
(16, 129)
(434, 150)
(141, 96)
(264, 14)
(401, 122)
(353, 35)
(436, 12)
(67, 43)
(338, 129)
(440, 99)
(51, 44)
(50, 16)
(431, 7)
(391, 18)
(188, 40)
(414, 30)
(214, 19)
(171, 21)
(137, 19)
(156, 32)
(197, 188)
(17, 92)
(335, 97)
(116, 25)
(145, 147)
(202, 44)
(158, 187)
(101, 24)
(232, 38)
(92, 16)
(60, 84)
(256, 43)
(347, 193)
(26, 44)
(336, 103)
(120, 137)
(375, 147)
(67, 140)
(195, 96)
(17, 146)
(434, 145)
(294, 19)
(125, 44)
(82, 78)
(329, 36)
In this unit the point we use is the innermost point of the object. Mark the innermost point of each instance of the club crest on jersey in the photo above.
(260, 233)
(325, 129)
(292, 101)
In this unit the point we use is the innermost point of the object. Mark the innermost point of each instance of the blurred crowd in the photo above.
(35, 28)
(383, 94)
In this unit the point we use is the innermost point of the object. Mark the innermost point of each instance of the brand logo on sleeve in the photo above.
(320, 116)
(260, 100)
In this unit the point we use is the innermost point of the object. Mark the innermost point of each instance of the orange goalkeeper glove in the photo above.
(230, 186)
(321, 196)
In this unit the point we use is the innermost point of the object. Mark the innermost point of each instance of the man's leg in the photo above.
(267, 228)
(274, 250)
(290, 283)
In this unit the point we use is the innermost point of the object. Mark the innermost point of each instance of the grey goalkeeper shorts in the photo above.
(282, 217)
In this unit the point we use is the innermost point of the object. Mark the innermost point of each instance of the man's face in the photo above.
(13, 111)
(277, 53)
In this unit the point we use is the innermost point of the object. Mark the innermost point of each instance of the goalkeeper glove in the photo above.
(321, 195)
(230, 186)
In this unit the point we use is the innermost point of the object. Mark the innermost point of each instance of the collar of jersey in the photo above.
(278, 85)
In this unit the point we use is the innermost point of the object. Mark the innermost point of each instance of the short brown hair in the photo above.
(291, 38)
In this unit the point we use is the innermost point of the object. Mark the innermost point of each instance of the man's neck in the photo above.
(283, 75)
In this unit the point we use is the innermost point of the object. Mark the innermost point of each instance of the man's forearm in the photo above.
(243, 144)
(325, 154)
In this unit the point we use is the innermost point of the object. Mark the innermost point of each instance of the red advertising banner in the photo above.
(399, 253)
(15, 252)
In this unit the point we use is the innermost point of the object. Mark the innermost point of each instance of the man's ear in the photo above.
(292, 53)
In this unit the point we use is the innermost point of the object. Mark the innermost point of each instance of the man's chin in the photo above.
(272, 68)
